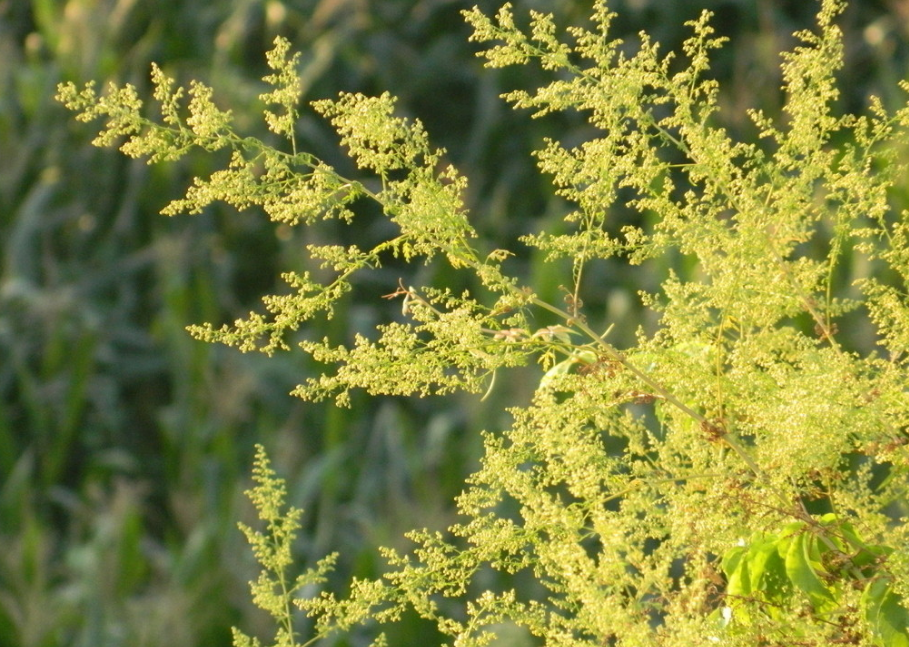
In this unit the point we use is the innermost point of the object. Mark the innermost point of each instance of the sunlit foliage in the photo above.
(736, 477)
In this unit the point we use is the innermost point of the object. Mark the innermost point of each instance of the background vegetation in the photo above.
(125, 445)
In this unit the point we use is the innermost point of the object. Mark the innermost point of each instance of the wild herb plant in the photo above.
(737, 476)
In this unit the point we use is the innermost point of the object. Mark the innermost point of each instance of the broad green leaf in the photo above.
(885, 612)
(802, 562)
(768, 571)
(735, 565)
(733, 558)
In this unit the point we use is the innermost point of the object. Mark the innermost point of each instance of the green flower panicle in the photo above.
(734, 476)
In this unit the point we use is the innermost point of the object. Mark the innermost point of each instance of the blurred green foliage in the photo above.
(125, 445)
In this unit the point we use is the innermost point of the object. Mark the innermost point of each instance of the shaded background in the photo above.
(125, 445)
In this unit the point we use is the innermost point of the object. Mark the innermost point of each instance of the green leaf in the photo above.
(562, 368)
(768, 571)
(885, 612)
(802, 565)
(735, 565)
